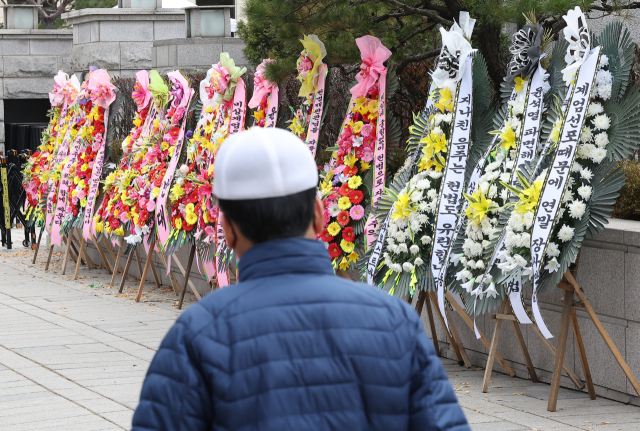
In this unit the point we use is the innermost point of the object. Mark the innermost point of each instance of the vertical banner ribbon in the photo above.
(163, 225)
(380, 162)
(236, 125)
(272, 109)
(61, 200)
(316, 113)
(95, 182)
(452, 184)
(379, 245)
(63, 151)
(556, 180)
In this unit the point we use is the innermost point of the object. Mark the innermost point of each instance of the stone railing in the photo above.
(609, 274)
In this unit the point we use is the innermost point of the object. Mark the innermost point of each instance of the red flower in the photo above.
(343, 218)
(334, 250)
(348, 234)
(356, 197)
(326, 236)
(358, 153)
(350, 171)
(345, 190)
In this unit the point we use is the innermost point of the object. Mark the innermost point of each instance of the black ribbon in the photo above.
(448, 62)
(526, 49)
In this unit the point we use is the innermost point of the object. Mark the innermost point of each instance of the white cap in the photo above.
(263, 163)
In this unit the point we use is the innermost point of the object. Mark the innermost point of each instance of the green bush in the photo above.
(628, 203)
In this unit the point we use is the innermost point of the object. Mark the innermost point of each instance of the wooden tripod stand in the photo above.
(504, 313)
(571, 288)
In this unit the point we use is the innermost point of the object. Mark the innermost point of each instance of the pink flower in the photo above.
(124, 217)
(368, 155)
(367, 130)
(356, 212)
(210, 231)
(220, 78)
(151, 206)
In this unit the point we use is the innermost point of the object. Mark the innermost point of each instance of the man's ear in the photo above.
(318, 219)
(229, 232)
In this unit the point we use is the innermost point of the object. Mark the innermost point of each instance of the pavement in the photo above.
(74, 353)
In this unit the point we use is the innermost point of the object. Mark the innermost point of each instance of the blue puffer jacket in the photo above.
(293, 347)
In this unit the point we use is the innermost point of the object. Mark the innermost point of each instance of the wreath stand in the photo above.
(37, 247)
(571, 288)
(453, 337)
(505, 314)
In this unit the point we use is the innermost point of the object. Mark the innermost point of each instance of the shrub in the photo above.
(628, 203)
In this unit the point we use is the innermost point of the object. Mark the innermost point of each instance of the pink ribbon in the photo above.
(373, 54)
(262, 86)
(87, 224)
(62, 153)
(272, 109)
(236, 125)
(141, 93)
(163, 224)
(316, 113)
(61, 202)
(239, 108)
(380, 159)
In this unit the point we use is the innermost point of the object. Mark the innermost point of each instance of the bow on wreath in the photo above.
(100, 88)
(373, 54)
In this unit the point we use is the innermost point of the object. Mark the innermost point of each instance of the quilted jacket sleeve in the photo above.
(174, 395)
(434, 405)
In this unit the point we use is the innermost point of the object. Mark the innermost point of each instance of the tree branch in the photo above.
(408, 10)
(408, 37)
(414, 58)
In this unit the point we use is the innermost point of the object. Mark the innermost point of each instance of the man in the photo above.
(291, 346)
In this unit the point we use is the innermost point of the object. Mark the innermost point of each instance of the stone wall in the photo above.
(120, 40)
(29, 59)
(609, 274)
(195, 54)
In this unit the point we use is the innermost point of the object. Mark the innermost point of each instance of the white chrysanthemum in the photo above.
(517, 107)
(397, 267)
(448, 117)
(585, 192)
(604, 91)
(416, 196)
(423, 184)
(415, 225)
(525, 240)
(577, 209)
(601, 139)
(586, 174)
(493, 191)
(471, 248)
(414, 249)
(438, 118)
(435, 174)
(576, 167)
(598, 155)
(509, 164)
(528, 219)
(437, 130)
(423, 207)
(594, 109)
(403, 248)
(407, 266)
(432, 194)
(603, 77)
(516, 221)
(602, 122)
(586, 150)
(391, 241)
(566, 233)
(561, 212)
(504, 194)
(505, 177)
(484, 187)
(425, 240)
(553, 250)
(587, 135)
(567, 196)
(604, 61)
(418, 262)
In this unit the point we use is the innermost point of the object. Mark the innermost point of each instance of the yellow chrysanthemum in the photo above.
(119, 231)
(179, 224)
(357, 127)
(98, 226)
(155, 192)
(344, 203)
(347, 246)
(189, 208)
(373, 106)
(334, 228)
(258, 115)
(191, 218)
(165, 146)
(355, 182)
(176, 192)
